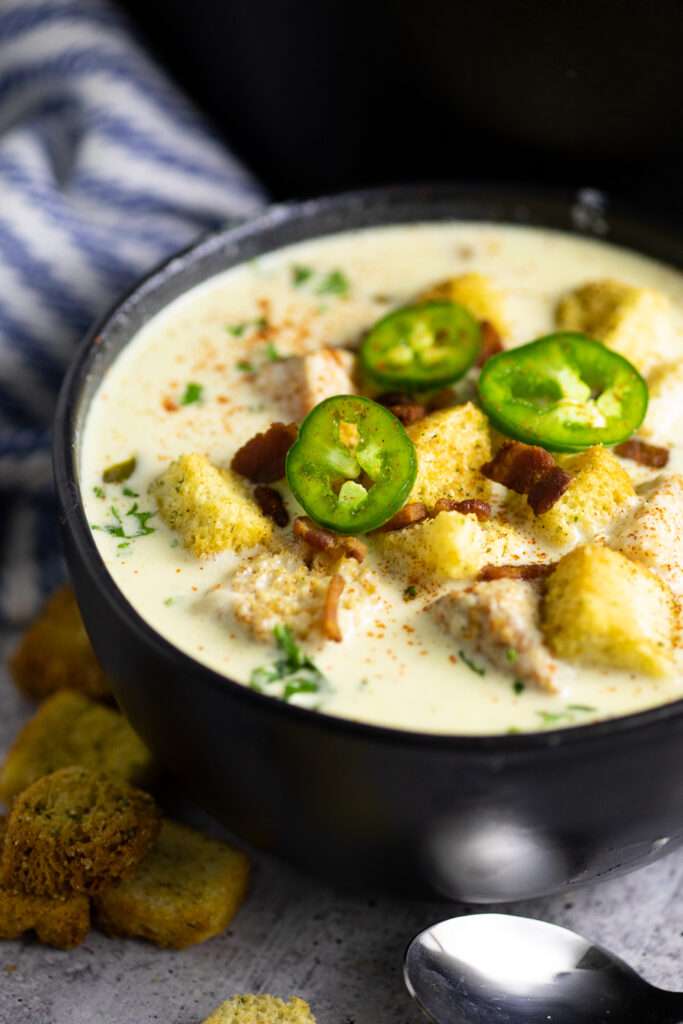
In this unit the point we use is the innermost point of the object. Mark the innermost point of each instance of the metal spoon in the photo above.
(500, 969)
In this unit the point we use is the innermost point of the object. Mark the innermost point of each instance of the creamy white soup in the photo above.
(421, 646)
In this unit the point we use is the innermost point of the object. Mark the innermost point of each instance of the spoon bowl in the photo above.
(501, 969)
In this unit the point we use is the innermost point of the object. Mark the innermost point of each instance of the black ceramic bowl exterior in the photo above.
(477, 818)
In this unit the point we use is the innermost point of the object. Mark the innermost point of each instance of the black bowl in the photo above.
(477, 818)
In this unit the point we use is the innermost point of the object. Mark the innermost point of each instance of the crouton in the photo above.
(664, 417)
(300, 383)
(186, 890)
(600, 492)
(68, 730)
(62, 923)
(274, 587)
(653, 535)
(602, 608)
(55, 654)
(500, 619)
(76, 831)
(477, 294)
(636, 322)
(262, 1010)
(210, 508)
(451, 446)
(453, 546)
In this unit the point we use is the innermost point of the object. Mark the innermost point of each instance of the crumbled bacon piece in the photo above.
(409, 514)
(530, 571)
(330, 621)
(491, 343)
(646, 454)
(404, 407)
(470, 506)
(262, 458)
(271, 504)
(528, 469)
(325, 540)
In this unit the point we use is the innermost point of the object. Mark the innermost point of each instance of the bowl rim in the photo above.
(516, 198)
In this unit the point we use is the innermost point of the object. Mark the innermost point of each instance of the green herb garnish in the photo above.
(334, 283)
(292, 675)
(193, 393)
(245, 366)
(580, 707)
(410, 593)
(98, 491)
(118, 527)
(120, 471)
(237, 330)
(518, 686)
(272, 353)
(300, 274)
(130, 493)
(168, 601)
(511, 655)
(471, 665)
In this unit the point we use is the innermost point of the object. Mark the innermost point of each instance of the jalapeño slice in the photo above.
(565, 392)
(352, 466)
(420, 347)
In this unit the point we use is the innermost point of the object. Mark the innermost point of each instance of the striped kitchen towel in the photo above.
(104, 170)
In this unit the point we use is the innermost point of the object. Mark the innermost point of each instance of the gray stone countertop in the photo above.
(298, 936)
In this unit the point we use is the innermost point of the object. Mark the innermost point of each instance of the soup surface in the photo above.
(213, 369)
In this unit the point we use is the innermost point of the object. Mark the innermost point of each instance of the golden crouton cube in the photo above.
(62, 923)
(262, 1010)
(55, 654)
(635, 322)
(451, 545)
(210, 508)
(76, 831)
(664, 417)
(600, 491)
(69, 729)
(602, 608)
(186, 890)
(477, 294)
(451, 446)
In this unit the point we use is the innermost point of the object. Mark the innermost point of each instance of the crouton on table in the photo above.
(186, 890)
(55, 653)
(69, 729)
(300, 383)
(600, 492)
(262, 1009)
(476, 293)
(62, 923)
(653, 534)
(76, 831)
(500, 619)
(451, 447)
(211, 508)
(636, 322)
(604, 609)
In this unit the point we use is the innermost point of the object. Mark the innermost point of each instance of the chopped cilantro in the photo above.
(98, 491)
(518, 686)
(300, 274)
(410, 593)
(511, 655)
(580, 707)
(334, 283)
(471, 665)
(237, 330)
(272, 353)
(118, 527)
(291, 675)
(193, 393)
(168, 601)
(245, 366)
(550, 717)
(130, 493)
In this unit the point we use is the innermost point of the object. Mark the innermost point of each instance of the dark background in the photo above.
(318, 97)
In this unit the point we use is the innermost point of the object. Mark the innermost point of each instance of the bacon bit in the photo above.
(324, 540)
(528, 469)
(262, 459)
(169, 405)
(443, 399)
(644, 453)
(271, 504)
(409, 514)
(470, 506)
(491, 343)
(530, 571)
(404, 407)
(330, 623)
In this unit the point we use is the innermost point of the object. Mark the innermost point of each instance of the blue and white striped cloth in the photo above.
(104, 170)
